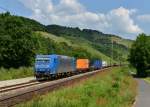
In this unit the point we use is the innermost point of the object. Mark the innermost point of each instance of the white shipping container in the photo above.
(104, 64)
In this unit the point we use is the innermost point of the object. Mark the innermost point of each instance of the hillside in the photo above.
(91, 35)
(125, 42)
(76, 43)
(21, 36)
(98, 40)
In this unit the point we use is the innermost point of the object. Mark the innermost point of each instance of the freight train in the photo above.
(51, 66)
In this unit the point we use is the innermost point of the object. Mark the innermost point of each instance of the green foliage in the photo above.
(49, 46)
(100, 41)
(147, 79)
(108, 89)
(32, 24)
(140, 54)
(7, 74)
(17, 42)
(79, 48)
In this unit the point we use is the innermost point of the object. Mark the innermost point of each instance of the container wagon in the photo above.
(96, 64)
(104, 64)
(82, 65)
(47, 66)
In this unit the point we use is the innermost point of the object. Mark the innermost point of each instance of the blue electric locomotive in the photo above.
(53, 65)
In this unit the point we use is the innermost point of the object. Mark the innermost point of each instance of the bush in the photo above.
(17, 43)
(140, 54)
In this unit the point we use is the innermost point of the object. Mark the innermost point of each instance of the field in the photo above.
(115, 88)
(7, 74)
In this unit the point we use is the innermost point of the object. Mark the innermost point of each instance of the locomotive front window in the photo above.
(42, 60)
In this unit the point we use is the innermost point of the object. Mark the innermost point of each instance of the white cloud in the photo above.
(70, 6)
(72, 13)
(121, 19)
(144, 18)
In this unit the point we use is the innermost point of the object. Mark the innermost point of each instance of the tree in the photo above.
(17, 42)
(140, 54)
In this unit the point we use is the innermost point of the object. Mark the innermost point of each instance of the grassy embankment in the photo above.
(148, 78)
(108, 89)
(7, 74)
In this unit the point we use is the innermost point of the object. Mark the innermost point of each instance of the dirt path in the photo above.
(143, 98)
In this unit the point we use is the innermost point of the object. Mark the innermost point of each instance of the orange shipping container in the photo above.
(82, 64)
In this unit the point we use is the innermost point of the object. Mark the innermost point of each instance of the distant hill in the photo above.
(91, 35)
(29, 23)
(98, 40)
(34, 25)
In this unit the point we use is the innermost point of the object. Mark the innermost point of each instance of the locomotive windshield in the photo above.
(42, 60)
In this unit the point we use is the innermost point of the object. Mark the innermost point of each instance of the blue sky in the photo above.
(126, 18)
(106, 5)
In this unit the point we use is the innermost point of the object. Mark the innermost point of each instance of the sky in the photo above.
(126, 18)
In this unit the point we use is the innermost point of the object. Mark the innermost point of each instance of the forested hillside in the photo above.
(71, 46)
(17, 41)
(22, 38)
(98, 40)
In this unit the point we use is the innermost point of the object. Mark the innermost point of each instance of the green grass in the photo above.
(53, 37)
(134, 71)
(7, 74)
(147, 79)
(108, 89)
(125, 42)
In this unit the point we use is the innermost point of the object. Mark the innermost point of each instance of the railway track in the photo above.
(17, 86)
(12, 95)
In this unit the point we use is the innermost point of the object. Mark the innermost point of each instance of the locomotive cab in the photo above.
(47, 66)
(43, 65)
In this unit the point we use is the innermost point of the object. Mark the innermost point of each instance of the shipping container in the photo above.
(104, 64)
(96, 64)
(82, 64)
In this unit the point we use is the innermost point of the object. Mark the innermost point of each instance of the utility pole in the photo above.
(119, 55)
(112, 51)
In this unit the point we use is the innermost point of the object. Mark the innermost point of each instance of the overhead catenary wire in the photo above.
(2, 8)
